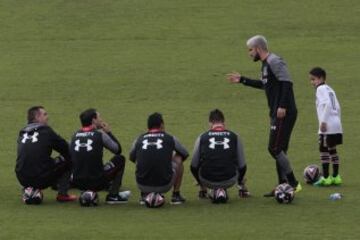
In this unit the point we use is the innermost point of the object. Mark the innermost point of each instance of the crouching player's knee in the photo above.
(178, 165)
(115, 165)
(178, 159)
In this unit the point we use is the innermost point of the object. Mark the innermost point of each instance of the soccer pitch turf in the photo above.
(130, 58)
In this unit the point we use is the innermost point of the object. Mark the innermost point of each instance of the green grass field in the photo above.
(129, 58)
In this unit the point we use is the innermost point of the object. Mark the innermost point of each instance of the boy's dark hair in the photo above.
(87, 116)
(216, 116)
(318, 72)
(155, 120)
(31, 113)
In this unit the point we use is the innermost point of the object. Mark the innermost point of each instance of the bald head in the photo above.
(257, 41)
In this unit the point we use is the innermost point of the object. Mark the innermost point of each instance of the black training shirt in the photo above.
(276, 82)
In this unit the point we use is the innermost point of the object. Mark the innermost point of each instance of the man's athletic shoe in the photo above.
(121, 197)
(298, 188)
(210, 194)
(203, 194)
(66, 198)
(323, 182)
(270, 194)
(142, 198)
(243, 191)
(336, 180)
(177, 199)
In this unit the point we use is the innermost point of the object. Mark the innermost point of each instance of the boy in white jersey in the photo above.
(330, 129)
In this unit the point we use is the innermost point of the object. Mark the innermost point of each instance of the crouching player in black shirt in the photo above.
(159, 161)
(218, 160)
(89, 172)
(35, 168)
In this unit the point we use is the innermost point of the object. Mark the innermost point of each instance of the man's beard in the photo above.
(256, 57)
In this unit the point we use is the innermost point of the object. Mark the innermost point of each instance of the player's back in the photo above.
(154, 152)
(218, 155)
(34, 150)
(86, 150)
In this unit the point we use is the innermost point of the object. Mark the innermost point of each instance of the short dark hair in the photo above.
(216, 116)
(31, 113)
(318, 72)
(155, 120)
(87, 116)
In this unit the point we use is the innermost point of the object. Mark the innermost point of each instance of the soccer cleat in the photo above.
(66, 198)
(270, 194)
(121, 197)
(142, 198)
(177, 199)
(203, 194)
(243, 191)
(210, 194)
(298, 188)
(323, 182)
(336, 180)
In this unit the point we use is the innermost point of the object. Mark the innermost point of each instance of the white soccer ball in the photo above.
(219, 196)
(284, 193)
(311, 174)
(32, 196)
(154, 200)
(89, 199)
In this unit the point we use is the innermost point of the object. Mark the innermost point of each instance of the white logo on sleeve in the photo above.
(224, 143)
(34, 137)
(158, 144)
(86, 145)
(264, 75)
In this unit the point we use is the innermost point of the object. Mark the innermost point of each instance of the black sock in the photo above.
(325, 167)
(335, 161)
(177, 193)
(291, 178)
(335, 170)
(279, 173)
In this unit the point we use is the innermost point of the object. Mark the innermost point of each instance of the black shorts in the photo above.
(110, 171)
(49, 178)
(280, 133)
(164, 188)
(97, 184)
(330, 140)
(218, 184)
